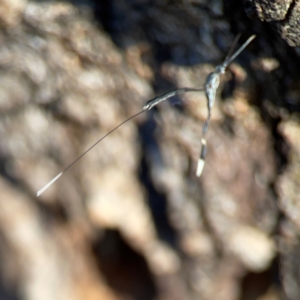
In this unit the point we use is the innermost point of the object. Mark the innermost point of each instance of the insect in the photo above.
(210, 88)
(211, 85)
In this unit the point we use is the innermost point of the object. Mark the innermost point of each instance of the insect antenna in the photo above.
(233, 57)
(229, 54)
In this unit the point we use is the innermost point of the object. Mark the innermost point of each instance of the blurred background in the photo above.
(131, 221)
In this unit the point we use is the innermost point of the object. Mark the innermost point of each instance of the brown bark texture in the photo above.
(131, 220)
(284, 15)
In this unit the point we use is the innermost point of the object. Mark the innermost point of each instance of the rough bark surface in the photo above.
(131, 220)
(284, 15)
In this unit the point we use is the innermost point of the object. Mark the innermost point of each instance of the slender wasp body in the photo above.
(211, 85)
